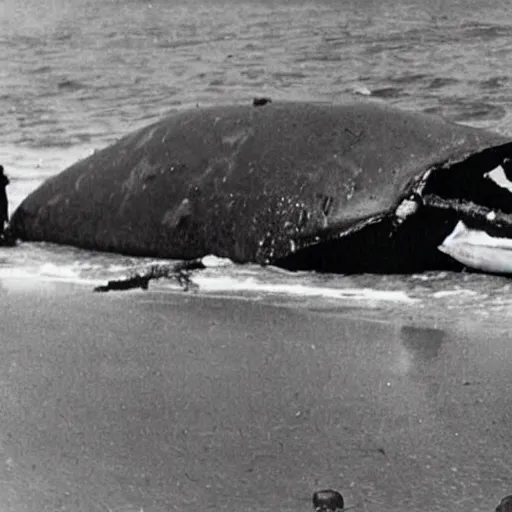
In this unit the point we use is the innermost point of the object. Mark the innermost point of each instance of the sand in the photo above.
(158, 401)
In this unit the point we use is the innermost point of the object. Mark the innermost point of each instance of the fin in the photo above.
(476, 249)
(460, 231)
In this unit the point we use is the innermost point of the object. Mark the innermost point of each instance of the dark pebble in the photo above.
(327, 499)
(259, 102)
(505, 504)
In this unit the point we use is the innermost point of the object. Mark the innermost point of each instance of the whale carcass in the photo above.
(356, 187)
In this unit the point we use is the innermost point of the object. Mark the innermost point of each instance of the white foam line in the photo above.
(212, 261)
(214, 284)
(450, 293)
(9, 274)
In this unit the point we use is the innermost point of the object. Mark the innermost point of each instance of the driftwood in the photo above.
(180, 272)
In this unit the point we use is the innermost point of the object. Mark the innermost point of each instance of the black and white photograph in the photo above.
(255, 255)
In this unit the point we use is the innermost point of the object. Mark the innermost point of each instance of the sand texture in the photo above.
(160, 402)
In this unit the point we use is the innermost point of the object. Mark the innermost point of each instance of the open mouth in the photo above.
(478, 193)
(478, 190)
(454, 216)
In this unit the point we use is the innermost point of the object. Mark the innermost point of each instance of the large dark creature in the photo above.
(339, 188)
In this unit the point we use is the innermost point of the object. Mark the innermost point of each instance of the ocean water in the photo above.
(75, 75)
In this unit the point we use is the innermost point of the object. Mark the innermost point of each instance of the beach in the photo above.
(161, 401)
(258, 386)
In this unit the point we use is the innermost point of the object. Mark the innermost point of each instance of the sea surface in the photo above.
(75, 75)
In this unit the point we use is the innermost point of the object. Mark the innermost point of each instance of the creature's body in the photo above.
(360, 187)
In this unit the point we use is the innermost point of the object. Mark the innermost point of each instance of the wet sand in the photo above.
(153, 401)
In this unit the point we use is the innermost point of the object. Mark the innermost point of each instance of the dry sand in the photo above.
(152, 401)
